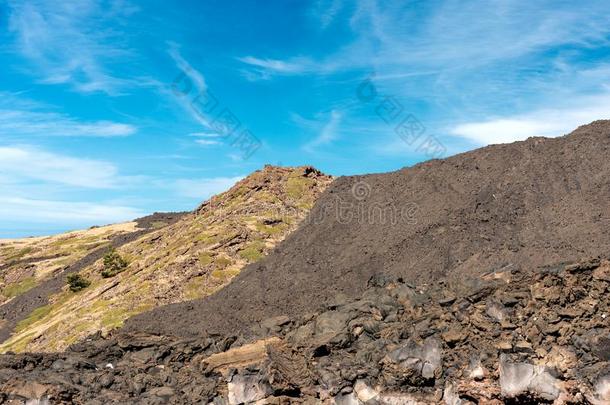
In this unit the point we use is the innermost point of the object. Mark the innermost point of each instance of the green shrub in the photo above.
(77, 282)
(113, 263)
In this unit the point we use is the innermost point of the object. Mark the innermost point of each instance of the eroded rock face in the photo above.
(505, 337)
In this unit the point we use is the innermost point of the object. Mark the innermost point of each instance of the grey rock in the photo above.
(162, 392)
(496, 311)
(58, 365)
(275, 324)
(41, 401)
(424, 358)
(523, 378)
(331, 328)
(450, 397)
(364, 392)
(106, 380)
(602, 390)
(248, 387)
(347, 399)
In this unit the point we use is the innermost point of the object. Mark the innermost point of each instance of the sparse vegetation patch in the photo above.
(18, 288)
(253, 252)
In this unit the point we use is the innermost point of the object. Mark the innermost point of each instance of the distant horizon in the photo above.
(112, 109)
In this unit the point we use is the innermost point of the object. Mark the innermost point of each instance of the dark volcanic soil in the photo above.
(528, 204)
(22, 305)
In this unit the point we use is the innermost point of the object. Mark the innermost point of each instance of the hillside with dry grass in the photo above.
(191, 258)
(25, 263)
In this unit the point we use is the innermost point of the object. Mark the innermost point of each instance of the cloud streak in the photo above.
(20, 123)
(542, 122)
(69, 42)
(264, 68)
(26, 164)
(183, 90)
(327, 11)
(63, 213)
(511, 64)
(196, 77)
(22, 118)
(327, 131)
(43, 190)
(396, 38)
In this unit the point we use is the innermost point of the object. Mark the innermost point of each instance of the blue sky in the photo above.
(113, 109)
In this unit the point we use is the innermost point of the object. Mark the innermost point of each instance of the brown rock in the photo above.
(242, 356)
(602, 272)
(454, 336)
(523, 345)
(571, 312)
(446, 301)
(561, 358)
(504, 345)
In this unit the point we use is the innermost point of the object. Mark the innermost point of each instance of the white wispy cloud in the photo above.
(23, 118)
(326, 130)
(63, 213)
(70, 43)
(329, 131)
(207, 138)
(22, 123)
(394, 37)
(207, 142)
(543, 122)
(327, 10)
(204, 188)
(184, 66)
(25, 164)
(264, 68)
(41, 190)
(205, 134)
(495, 31)
(493, 60)
(187, 86)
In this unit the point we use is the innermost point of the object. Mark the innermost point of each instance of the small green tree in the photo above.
(113, 263)
(76, 282)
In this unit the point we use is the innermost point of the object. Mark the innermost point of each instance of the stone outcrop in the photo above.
(395, 344)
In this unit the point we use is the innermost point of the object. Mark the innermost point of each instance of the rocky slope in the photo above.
(190, 258)
(531, 336)
(517, 205)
